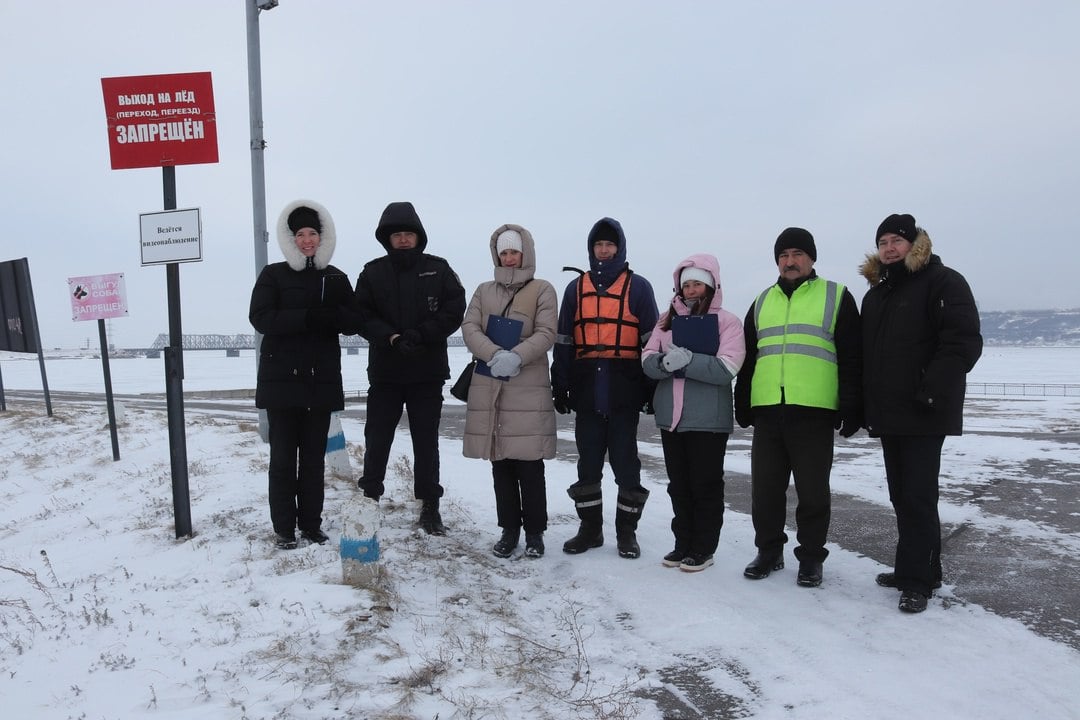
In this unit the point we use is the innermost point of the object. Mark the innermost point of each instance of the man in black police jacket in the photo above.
(410, 302)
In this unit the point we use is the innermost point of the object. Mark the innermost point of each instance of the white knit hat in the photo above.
(696, 273)
(508, 240)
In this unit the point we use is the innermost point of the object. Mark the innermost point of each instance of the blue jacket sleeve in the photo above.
(563, 352)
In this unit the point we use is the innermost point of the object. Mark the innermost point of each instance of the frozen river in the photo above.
(211, 370)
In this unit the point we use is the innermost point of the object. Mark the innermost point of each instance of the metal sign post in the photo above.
(101, 297)
(174, 381)
(169, 238)
(108, 390)
(258, 174)
(166, 120)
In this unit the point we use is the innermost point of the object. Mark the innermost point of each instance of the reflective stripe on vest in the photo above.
(796, 346)
(604, 327)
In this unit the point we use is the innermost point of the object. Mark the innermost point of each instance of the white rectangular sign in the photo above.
(97, 297)
(170, 236)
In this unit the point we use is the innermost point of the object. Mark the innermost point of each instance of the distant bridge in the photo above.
(234, 342)
(247, 342)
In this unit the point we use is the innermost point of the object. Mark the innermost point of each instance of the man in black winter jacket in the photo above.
(410, 302)
(920, 339)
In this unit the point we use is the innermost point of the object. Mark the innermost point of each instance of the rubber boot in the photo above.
(589, 503)
(629, 505)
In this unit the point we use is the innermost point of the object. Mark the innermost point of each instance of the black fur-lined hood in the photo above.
(327, 237)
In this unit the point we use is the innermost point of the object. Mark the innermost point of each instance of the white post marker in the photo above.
(337, 458)
(359, 545)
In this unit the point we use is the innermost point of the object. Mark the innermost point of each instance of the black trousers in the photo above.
(695, 470)
(297, 466)
(912, 464)
(423, 403)
(613, 436)
(792, 441)
(520, 494)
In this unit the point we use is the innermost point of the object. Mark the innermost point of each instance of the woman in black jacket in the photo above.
(920, 339)
(300, 306)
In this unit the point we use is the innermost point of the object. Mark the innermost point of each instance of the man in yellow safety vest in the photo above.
(801, 380)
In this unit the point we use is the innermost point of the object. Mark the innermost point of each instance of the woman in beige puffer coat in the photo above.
(510, 418)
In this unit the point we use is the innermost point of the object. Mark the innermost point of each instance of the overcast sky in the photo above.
(702, 127)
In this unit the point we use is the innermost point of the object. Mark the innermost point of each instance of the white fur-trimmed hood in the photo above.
(327, 238)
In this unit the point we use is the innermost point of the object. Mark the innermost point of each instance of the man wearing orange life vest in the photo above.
(605, 319)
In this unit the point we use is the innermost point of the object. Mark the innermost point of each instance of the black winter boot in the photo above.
(626, 541)
(589, 535)
(809, 573)
(373, 489)
(504, 547)
(430, 519)
(763, 564)
(315, 536)
(889, 580)
(534, 545)
(285, 541)
(627, 513)
(589, 503)
(912, 601)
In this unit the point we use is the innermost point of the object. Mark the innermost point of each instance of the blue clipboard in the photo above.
(696, 333)
(504, 332)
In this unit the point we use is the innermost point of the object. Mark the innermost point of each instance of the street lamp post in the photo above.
(258, 169)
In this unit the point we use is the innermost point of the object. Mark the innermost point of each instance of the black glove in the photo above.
(561, 398)
(744, 416)
(648, 408)
(322, 320)
(409, 343)
(847, 427)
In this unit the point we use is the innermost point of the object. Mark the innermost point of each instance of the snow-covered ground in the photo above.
(104, 614)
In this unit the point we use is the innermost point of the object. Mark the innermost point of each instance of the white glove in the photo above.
(676, 358)
(505, 363)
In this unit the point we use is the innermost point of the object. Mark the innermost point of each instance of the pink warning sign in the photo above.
(97, 297)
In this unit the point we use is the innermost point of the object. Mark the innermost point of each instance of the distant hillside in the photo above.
(1013, 327)
(1031, 327)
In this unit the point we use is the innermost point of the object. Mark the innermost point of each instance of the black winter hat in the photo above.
(794, 237)
(902, 225)
(304, 217)
(606, 231)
